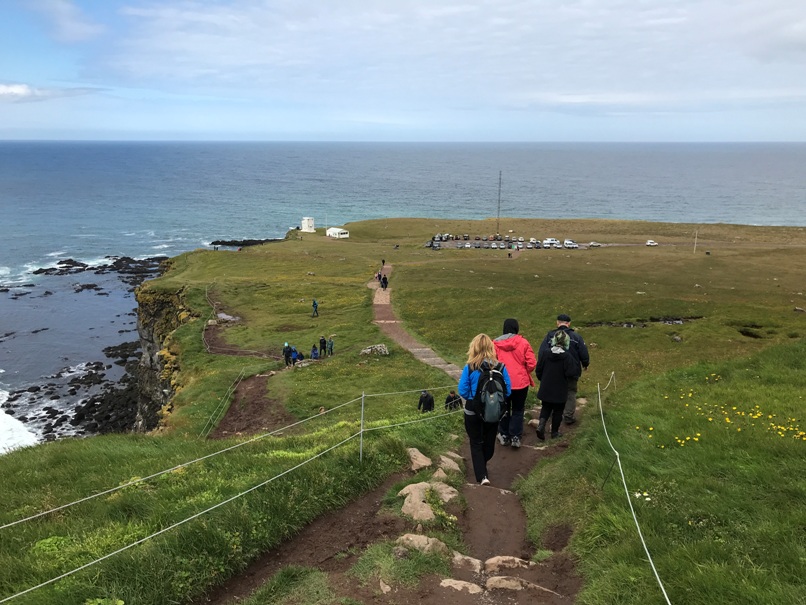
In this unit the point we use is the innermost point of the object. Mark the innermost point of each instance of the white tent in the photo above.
(337, 232)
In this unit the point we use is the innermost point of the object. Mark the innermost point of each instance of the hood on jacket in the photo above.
(508, 342)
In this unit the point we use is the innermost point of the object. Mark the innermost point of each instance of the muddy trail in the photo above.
(491, 519)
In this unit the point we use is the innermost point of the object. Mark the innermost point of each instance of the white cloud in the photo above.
(69, 23)
(18, 93)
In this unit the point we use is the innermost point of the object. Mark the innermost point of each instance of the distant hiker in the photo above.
(378, 276)
(426, 402)
(481, 360)
(384, 282)
(578, 352)
(554, 370)
(322, 346)
(453, 401)
(515, 352)
(383, 263)
(330, 347)
(287, 354)
(314, 352)
(294, 356)
(315, 306)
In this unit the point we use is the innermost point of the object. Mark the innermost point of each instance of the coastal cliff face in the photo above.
(159, 313)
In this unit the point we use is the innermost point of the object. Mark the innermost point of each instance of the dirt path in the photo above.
(492, 521)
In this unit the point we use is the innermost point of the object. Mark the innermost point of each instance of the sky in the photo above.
(403, 70)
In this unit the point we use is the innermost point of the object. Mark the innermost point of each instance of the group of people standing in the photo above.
(325, 349)
(559, 363)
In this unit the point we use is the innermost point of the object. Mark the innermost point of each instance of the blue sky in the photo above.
(404, 70)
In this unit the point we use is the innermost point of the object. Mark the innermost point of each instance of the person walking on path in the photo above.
(287, 354)
(480, 434)
(384, 282)
(330, 347)
(322, 346)
(315, 306)
(554, 370)
(515, 352)
(426, 402)
(452, 401)
(578, 352)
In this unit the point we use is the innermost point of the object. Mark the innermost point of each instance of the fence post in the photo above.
(361, 432)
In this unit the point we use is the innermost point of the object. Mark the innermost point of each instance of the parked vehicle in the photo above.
(493, 245)
(551, 241)
(570, 244)
(594, 245)
(651, 242)
(466, 236)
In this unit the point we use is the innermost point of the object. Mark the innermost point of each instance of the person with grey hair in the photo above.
(580, 356)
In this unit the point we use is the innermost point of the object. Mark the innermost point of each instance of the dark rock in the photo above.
(34, 389)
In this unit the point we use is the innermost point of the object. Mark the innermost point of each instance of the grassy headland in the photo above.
(719, 503)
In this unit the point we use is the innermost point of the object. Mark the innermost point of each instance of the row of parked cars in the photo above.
(502, 242)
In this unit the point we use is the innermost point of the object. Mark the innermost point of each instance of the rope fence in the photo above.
(430, 417)
(626, 489)
(363, 429)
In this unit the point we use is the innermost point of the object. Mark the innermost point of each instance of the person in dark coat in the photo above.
(384, 282)
(287, 354)
(426, 402)
(554, 370)
(322, 346)
(578, 352)
(453, 401)
(315, 307)
(314, 352)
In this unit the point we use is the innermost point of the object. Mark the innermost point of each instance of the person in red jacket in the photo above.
(515, 352)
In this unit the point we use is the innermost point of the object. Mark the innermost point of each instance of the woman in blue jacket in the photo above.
(480, 434)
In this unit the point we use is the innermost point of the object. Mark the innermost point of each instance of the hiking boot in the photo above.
(503, 439)
(541, 429)
(556, 435)
(515, 442)
(485, 481)
(570, 420)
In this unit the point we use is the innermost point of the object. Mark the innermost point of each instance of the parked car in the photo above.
(436, 246)
(466, 236)
(429, 243)
(537, 245)
(520, 245)
(468, 245)
(570, 244)
(594, 245)
(486, 245)
(529, 245)
(651, 242)
(477, 244)
(493, 245)
(551, 241)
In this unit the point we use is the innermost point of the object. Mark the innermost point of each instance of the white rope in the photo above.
(627, 492)
(450, 386)
(426, 418)
(178, 523)
(214, 416)
(178, 466)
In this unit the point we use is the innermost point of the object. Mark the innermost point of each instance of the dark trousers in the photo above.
(512, 422)
(481, 436)
(288, 360)
(555, 410)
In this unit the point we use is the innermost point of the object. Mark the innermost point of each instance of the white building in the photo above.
(337, 232)
(307, 225)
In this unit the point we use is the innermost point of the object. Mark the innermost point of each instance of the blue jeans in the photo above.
(511, 424)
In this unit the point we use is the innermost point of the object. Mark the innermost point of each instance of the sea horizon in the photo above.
(86, 200)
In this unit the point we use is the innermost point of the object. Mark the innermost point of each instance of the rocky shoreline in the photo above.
(84, 400)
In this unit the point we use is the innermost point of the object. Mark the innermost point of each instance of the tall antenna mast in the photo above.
(498, 221)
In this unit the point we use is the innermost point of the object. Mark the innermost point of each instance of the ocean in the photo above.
(87, 201)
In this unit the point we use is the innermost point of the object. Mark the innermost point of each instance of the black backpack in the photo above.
(491, 393)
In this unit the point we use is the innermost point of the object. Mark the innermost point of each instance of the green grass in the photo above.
(724, 510)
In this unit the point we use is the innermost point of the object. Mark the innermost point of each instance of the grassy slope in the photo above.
(749, 282)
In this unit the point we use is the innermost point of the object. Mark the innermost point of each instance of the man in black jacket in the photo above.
(578, 352)
(426, 402)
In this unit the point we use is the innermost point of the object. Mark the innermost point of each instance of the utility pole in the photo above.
(498, 221)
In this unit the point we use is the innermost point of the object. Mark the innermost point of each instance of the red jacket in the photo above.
(515, 352)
